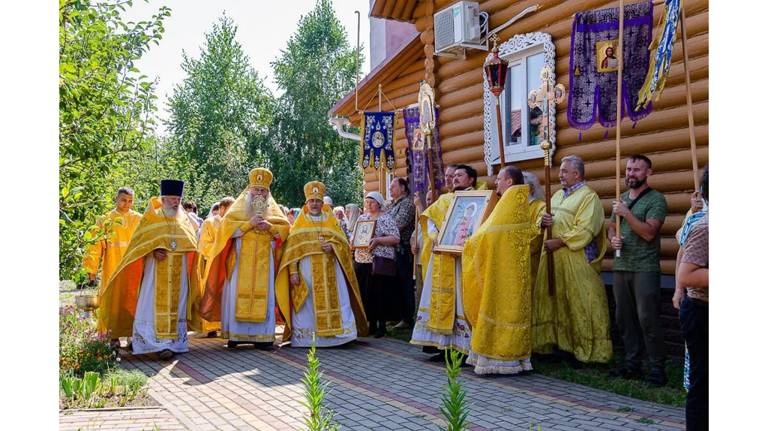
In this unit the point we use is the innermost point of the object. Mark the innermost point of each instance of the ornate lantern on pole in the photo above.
(496, 74)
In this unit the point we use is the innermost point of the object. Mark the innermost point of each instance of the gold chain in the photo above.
(171, 231)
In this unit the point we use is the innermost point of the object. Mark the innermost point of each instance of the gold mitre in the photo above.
(314, 190)
(260, 177)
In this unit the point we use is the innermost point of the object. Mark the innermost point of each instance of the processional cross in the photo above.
(427, 125)
(544, 98)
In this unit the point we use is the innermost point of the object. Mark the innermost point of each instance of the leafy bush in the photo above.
(81, 347)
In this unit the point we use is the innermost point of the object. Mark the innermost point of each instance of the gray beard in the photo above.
(170, 212)
(249, 204)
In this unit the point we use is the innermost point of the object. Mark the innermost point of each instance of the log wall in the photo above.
(662, 135)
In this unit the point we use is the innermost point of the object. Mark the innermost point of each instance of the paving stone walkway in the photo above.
(128, 419)
(374, 384)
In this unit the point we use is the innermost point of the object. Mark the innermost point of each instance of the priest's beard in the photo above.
(249, 203)
(634, 183)
(170, 212)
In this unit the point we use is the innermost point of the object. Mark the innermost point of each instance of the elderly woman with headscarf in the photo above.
(338, 213)
(375, 267)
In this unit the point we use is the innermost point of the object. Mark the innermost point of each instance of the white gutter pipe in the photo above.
(338, 124)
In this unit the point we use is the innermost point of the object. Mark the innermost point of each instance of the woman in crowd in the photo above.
(403, 211)
(338, 212)
(375, 267)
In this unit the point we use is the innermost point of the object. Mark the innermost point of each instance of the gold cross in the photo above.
(542, 98)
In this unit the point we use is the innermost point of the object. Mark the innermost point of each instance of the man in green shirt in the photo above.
(637, 273)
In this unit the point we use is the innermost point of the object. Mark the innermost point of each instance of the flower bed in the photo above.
(89, 376)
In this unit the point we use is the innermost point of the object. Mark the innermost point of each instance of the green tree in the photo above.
(219, 117)
(106, 112)
(315, 70)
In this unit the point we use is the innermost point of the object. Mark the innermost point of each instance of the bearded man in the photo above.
(637, 272)
(440, 321)
(323, 296)
(147, 297)
(239, 276)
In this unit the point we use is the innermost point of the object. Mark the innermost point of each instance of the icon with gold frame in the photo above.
(467, 212)
(362, 234)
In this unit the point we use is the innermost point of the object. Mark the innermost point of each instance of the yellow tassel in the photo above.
(644, 95)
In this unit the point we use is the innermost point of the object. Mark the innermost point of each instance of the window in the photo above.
(527, 55)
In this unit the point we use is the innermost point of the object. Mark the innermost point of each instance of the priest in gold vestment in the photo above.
(117, 227)
(575, 319)
(147, 296)
(323, 296)
(205, 243)
(496, 281)
(239, 276)
(440, 320)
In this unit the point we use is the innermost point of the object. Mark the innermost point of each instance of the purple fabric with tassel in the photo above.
(592, 96)
(417, 159)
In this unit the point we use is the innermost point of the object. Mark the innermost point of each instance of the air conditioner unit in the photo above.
(459, 27)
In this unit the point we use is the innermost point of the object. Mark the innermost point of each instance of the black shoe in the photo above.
(165, 354)
(380, 333)
(430, 350)
(657, 377)
(625, 372)
(440, 357)
(268, 346)
(211, 334)
(232, 344)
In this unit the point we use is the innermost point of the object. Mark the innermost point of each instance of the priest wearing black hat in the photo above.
(148, 296)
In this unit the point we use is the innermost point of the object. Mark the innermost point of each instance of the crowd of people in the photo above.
(253, 266)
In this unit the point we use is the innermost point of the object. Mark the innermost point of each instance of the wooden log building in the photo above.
(458, 82)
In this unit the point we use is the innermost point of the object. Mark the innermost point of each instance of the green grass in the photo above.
(596, 376)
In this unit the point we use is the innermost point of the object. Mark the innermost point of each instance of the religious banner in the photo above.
(417, 151)
(378, 131)
(594, 64)
(661, 57)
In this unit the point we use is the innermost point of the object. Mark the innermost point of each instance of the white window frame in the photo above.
(516, 51)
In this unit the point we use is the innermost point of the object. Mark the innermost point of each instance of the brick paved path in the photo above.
(375, 384)
(138, 419)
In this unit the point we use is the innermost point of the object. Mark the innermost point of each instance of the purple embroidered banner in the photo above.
(594, 64)
(417, 152)
(378, 139)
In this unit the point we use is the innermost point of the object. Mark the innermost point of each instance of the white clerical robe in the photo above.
(304, 319)
(461, 334)
(144, 339)
(235, 330)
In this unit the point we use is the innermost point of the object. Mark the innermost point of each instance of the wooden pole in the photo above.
(382, 164)
(357, 59)
(547, 147)
(689, 98)
(502, 158)
(619, 82)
